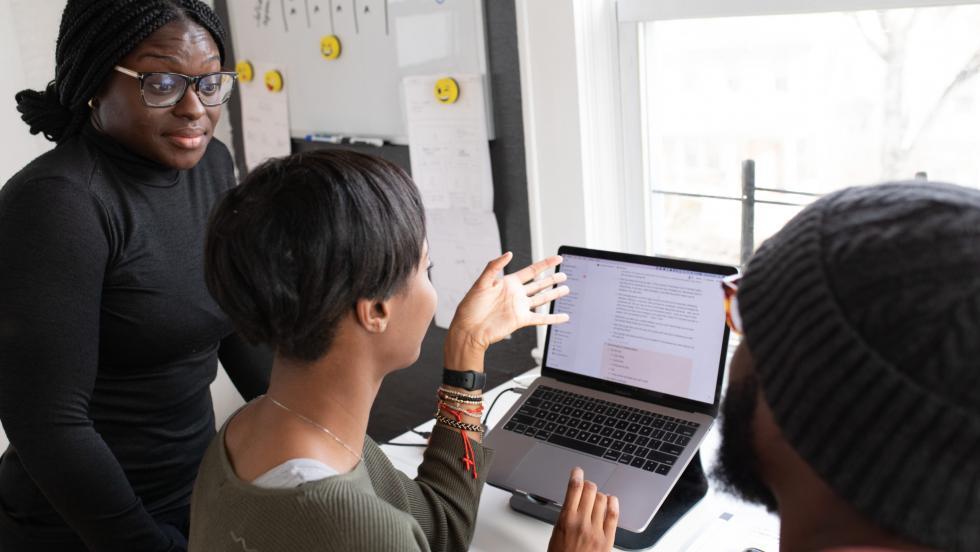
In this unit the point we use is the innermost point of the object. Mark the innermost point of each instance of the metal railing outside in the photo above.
(749, 201)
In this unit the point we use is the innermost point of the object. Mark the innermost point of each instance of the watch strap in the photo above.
(469, 380)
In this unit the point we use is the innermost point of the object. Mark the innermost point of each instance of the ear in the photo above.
(372, 315)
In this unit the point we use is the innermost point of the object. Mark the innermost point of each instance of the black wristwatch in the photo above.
(471, 381)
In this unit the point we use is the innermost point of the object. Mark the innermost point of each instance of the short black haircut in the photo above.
(291, 250)
(93, 37)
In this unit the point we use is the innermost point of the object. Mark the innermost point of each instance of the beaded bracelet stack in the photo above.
(453, 405)
(450, 395)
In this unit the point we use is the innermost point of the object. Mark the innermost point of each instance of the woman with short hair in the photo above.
(109, 339)
(323, 257)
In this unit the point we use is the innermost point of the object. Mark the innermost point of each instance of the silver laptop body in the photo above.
(643, 354)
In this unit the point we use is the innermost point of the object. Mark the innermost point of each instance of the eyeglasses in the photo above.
(167, 89)
(732, 317)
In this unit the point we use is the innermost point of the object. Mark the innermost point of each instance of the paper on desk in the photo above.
(735, 533)
(265, 117)
(448, 144)
(461, 243)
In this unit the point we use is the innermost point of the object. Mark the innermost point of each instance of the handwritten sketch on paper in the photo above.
(450, 156)
(448, 144)
(265, 117)
(460, 245)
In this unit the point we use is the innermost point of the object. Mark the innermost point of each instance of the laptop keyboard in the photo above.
(638, 438)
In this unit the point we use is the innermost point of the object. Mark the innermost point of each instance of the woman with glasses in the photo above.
(109, 339)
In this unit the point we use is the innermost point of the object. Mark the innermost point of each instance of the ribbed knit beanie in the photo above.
(863, 317)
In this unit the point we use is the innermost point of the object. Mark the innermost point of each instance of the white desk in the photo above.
(706, 528)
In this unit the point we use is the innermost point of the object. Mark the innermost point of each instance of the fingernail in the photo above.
(561, 277)
(578, 474)
(613, 504)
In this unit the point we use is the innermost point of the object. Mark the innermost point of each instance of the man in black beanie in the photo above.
(853, 406)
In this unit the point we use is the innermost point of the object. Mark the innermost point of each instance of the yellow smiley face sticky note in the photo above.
(245, 70)
(447, 90)
(274, 81)
(330, 47)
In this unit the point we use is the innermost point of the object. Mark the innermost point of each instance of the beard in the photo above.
(737, 470)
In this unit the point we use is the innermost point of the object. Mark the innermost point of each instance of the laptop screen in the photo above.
(656, 328)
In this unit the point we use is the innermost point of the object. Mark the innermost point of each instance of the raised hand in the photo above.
(497, 306)
(588, 519)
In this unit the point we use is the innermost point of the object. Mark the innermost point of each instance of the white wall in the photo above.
(28, 32)
(552, 129)
(570, 86)
(573, 136)
(27, 29)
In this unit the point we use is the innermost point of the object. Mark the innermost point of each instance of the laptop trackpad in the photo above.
(544, 471)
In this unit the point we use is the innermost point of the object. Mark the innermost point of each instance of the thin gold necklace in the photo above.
(318, 426)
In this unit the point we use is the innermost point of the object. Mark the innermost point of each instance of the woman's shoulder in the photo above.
(58, 181)
(70, 163)
(341, 512)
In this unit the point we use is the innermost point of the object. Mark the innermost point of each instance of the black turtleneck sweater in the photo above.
(109, 342)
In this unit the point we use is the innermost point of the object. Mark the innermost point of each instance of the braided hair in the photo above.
(93, 37)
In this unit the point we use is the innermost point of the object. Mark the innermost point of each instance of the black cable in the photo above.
(427, 434)
(518, 390)
(422, 434)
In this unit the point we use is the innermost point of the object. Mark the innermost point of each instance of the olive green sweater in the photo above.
(373, 507)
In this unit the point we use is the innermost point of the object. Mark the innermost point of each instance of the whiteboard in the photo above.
(382, 41)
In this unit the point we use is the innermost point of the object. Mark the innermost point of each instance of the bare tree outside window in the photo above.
(887, 33)
(818, 101)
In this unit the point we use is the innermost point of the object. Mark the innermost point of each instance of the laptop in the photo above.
(629, 387)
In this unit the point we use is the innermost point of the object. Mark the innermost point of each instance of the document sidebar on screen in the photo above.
(650, 327)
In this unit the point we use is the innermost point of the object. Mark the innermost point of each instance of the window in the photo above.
(818, 101)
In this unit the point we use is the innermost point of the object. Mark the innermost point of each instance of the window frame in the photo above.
(631, 14)
(641, 11)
